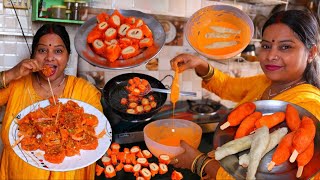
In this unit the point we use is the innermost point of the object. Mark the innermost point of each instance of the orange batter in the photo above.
(165, 136)
(219, 33)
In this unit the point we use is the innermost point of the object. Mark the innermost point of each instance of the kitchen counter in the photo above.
(206, 145)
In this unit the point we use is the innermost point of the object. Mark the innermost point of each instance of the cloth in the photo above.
(18, 96)
(248, 89)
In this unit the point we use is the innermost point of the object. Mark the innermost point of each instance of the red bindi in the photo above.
(49, 44)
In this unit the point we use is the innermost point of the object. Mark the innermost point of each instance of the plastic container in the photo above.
(69, 3)
(75, 11)
(83, 10)
(163, 136)
(68, 14)
(58, 12)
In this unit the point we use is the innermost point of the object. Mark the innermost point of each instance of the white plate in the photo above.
(86, 157)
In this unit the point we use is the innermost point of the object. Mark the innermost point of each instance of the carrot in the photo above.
(143, 161)
(176, 175)
(134, 150)
(163, 168)
(163, 158)
(99, 169)
(113, 52)
(146, 174)
(304, 158)
(238, 114)
(135, 33)
(128, 168)
(146, 31)
(154, 169)
(136, 169)
(303, 137)
(102, 17)
(94, 34)
(109, 171)
(247, 125)
(270, 120)
(139, 154)
(119, 167)
(146, 154)
(145, 42)
(292, 118)
(114, 159)
(106, 160)
(282, 152)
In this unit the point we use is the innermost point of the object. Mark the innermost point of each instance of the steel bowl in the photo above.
(199, 25)
(285, 170)
(84, 50)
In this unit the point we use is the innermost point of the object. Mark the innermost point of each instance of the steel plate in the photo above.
(286, 170)
(85, 51)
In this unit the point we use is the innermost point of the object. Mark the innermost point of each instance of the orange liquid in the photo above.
(221, 19)
(175, 89)
(165, 136)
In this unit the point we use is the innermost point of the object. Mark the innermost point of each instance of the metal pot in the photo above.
(114, 90)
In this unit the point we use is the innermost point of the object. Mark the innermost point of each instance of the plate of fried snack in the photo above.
(269, 139)
(60, 134)
(119, 39)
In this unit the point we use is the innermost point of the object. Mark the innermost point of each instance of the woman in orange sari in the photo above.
(289, 59)
(26, 84)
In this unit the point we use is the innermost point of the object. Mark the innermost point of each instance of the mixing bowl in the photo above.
(219, 31)
(163, 136)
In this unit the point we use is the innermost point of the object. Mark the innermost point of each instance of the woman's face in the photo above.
(52, 51)
(283, 57)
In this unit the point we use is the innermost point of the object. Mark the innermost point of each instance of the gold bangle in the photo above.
(194, 162)
(1, 82)
(204, 165)
(200, 163)
(209, 75)
(4, 79)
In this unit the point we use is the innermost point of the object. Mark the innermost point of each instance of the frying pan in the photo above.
(114, 90)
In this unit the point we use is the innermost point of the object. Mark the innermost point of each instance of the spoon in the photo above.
(167, 91)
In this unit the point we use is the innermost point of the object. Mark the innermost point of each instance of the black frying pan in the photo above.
(114, 90)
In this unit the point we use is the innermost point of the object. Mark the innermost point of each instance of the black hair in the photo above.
(48, 29)
(306, 26)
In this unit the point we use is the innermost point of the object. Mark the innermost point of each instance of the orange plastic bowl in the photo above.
(163, 136)
(219, 31)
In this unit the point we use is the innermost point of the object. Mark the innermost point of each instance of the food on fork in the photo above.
(259, 144)
(302, 137)
(282, 152)
(275, 138)
(233, 147)
(247, 125)
(47, 70)
(270, 120)
(238, 114)
(304, 158)
(292, 118)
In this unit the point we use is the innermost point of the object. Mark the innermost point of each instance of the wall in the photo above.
(13, 47)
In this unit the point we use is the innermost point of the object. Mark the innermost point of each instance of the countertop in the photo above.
(206, 145)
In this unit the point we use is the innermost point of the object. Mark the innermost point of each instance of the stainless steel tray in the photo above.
(85, 51)
(286, 170)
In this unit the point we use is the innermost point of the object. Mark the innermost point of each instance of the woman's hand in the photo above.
(188, 61)
(185, 159)
(23, 68)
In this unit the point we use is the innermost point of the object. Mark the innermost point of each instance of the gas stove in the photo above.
(205, 112)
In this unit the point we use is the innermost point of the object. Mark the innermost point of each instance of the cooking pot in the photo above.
(114, 90)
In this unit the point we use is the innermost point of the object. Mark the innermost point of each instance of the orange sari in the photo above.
(18, 96)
